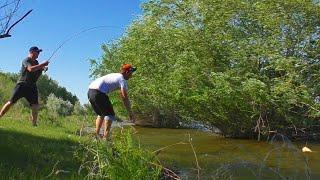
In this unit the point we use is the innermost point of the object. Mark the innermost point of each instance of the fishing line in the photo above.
(74, 36)
(77, 34)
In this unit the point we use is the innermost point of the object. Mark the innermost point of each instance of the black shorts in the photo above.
(28, 91)
(100, 103)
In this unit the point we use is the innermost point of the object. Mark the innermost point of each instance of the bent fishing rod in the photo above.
(74, 36)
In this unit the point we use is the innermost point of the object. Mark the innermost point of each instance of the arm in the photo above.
(37, 67)
(126, 102)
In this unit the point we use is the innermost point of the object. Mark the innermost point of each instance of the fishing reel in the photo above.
(45, 69)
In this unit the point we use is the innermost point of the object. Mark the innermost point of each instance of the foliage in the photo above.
(48, 86)
(120, 159)
(58, 106)
(7, 84)
(78, 109)
(89, 110)
(237, 65)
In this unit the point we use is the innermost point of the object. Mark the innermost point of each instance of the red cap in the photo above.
(128, 68)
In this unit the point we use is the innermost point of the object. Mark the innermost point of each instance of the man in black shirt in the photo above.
(26, 87)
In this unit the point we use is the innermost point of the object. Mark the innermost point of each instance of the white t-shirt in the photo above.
(109, 83)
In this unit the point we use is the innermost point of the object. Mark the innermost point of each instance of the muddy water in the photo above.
(221, 158)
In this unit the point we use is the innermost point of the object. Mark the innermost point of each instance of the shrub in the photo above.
(58, 106)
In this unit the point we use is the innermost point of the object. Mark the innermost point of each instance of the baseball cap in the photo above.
(35, 48)
(128, 68)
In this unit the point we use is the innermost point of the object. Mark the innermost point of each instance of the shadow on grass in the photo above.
(26, 156)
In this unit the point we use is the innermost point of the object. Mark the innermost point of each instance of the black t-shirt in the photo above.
(25, 75)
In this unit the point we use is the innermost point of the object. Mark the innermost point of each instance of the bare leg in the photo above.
(5, 108)
(99, 122)
(34, 114)
(107, 129)
(107, 126)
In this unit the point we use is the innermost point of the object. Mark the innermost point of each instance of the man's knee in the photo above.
(10, 103)
(109, 118)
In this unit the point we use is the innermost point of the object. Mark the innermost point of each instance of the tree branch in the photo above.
(8, 31)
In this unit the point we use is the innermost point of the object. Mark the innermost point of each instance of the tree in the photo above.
(48, 86)
(8, 9)
(238, 65)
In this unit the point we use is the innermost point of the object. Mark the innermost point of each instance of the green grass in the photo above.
(120, 159)
(28, 152)
(54, 150)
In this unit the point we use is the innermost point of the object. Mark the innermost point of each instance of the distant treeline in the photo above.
(46, 86)
(247, 67)
(55, 101)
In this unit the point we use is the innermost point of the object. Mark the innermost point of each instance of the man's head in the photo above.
(34, 52)
(127, 70)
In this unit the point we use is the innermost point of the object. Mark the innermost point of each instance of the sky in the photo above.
(53, 22)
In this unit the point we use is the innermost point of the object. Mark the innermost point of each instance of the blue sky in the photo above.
(52, 22)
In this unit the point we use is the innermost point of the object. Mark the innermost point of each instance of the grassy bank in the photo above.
(36, 152)
(55, 150)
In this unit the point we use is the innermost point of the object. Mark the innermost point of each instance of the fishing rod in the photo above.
(74, 36)
(77, 34)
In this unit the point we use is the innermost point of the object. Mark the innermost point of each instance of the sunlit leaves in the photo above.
(226, 63)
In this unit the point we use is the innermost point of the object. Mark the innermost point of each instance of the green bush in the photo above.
(58, 106)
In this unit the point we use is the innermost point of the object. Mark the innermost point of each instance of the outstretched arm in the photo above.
(127, 104)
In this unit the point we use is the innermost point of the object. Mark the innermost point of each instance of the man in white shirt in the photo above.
(99, 99)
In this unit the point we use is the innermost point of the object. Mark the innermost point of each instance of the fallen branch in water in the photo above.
(159, 150)
(167, 172)
(198, 168)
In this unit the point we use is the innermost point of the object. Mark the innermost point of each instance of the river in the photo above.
(223, 158)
